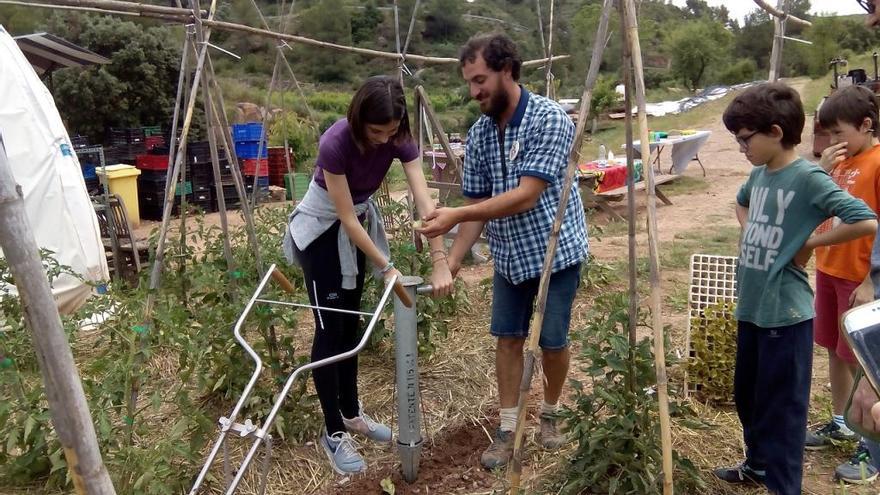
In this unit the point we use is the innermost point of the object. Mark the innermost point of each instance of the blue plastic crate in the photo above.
(262, 182)
(88, 171)
(252, 131)
(249, 149)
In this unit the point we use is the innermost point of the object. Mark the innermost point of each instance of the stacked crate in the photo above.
(153, 137)
(198, 160)
(278, 165)
(251, 147)
(151, 184)
(127, 144)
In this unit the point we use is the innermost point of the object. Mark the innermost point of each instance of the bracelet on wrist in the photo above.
(387, 268)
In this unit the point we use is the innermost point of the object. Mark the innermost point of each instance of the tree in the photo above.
(137, 88)
(696, 47)
(364, 24)
(443, 21)
(328, 20)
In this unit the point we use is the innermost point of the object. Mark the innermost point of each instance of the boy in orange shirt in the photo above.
(842, 270)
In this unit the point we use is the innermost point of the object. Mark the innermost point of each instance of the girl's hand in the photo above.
(391, 273)
(441, 278)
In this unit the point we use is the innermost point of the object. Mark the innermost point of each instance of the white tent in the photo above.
(44, 165)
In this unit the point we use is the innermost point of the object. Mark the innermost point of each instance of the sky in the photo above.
(739, 8)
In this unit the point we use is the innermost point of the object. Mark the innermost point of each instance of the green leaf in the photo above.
(388, 486)
(29, 424)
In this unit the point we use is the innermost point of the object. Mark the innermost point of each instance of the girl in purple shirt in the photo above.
(354, 155)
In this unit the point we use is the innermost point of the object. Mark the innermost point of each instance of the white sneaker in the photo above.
(341, 449)
(367, 426)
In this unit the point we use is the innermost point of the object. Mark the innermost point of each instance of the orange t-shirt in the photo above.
(860, 176)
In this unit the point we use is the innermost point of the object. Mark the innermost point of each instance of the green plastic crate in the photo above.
(152, 130)
(298, 183)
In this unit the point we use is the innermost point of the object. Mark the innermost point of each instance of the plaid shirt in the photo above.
(536, 143)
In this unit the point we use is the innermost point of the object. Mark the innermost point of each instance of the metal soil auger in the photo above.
(406, 343)
(406, 354)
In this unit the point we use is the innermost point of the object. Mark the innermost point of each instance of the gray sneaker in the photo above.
(826, 436)
(858, 470)
(341, 449)
(499, 453)
(367, 426)
(551, 437)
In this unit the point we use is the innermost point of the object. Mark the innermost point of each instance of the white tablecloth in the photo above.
(684, 148)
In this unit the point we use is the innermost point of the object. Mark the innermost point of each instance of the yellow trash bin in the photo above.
(123, 181)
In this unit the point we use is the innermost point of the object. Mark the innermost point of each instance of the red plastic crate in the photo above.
(249, 167)
(152, 141)
(151, 162)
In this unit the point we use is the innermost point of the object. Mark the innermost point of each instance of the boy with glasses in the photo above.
(780, 205)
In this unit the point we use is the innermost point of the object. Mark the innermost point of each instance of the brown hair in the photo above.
(378, 101)
(852, 104)
(498, 50)
(761, 107)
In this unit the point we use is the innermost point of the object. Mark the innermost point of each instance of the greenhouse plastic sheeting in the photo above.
(48, 171)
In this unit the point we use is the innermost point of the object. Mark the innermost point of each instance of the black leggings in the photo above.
(335, 333)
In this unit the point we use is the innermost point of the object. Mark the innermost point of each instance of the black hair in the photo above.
(760, 107)
(378, 101)
(498, 50)
(852, 104)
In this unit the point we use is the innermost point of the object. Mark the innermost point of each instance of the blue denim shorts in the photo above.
(513, 304)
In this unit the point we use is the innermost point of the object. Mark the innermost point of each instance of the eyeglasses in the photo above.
(868, 5)
(744, 140)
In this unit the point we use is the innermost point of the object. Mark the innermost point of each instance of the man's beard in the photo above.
(498, 103)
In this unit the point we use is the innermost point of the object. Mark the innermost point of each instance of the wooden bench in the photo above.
(603, 199)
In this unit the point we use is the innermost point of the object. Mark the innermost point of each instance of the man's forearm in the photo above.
(504, 205)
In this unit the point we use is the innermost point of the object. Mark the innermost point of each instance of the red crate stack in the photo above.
(153, 141)
(249, 167)
(151, 162)
(278, 165)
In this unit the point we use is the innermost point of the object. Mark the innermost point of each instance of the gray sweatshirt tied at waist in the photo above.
(315, 214)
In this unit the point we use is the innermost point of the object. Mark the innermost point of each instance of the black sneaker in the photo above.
(741, 473)
(858, 470)
(826, 436)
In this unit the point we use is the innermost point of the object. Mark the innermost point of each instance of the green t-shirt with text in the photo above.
(785, 207)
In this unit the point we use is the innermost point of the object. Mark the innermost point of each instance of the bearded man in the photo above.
(514, 171)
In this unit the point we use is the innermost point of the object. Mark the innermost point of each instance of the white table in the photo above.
(684, 149)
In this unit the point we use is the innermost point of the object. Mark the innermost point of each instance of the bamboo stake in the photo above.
(438, 129)
(92, 10)
(226, 134)
(782, 15)
(630, 212)
(632, 33)
(156, 268)
(141, 8)
(264, 135)
(551, 92)
(144, 10)
(537, 322)
(778, 41)
(67, 402)
(412, 22)
(541, 27)
(218, 181)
